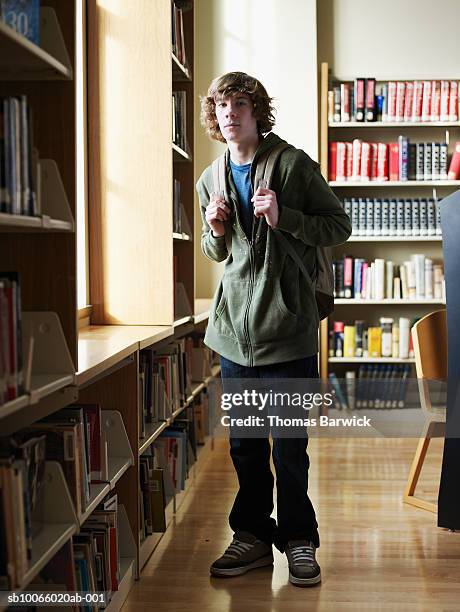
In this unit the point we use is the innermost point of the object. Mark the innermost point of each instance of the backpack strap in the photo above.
(219, 172)
(266, 163)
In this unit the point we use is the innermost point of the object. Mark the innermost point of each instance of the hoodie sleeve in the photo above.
(309, 209)
(213, 247)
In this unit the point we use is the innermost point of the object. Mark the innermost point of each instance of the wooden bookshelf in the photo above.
(388, 247)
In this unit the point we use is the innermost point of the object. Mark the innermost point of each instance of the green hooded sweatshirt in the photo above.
(264, 310)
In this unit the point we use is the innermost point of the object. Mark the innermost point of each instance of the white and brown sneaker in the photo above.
(304, 571)
(245, 553)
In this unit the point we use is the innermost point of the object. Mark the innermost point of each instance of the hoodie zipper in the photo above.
(251, 251)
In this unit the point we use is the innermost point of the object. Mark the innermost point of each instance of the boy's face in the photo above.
(236, 121)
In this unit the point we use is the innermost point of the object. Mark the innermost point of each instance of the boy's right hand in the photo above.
(217, 213)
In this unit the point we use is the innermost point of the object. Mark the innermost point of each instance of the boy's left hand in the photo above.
(266, 205)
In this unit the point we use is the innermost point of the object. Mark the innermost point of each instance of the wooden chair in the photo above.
(429, 336)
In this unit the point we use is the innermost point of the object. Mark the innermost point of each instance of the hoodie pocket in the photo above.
(270, 318)
(229, 313)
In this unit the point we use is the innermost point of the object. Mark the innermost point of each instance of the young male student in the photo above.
(264, 318)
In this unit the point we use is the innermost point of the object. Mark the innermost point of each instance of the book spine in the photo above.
(349, 160)
(438, 218)
(408, 218)
(408, 102)
(362, 217)
(330, 106)
(359, 100)
(385, 103)
(443, 161)
(369, 217)
(454, 168)
(393, 218)
(332, 161)
(431, 217)
(345, 102)
(400, 96)
(436, 161)
(417, 104)
(341, 162)
(420, 163)
(444, 104)
(435, 100)
(348, 276)
(391, 108)
(377, 229)
(365, 170)
(400, 217)
(355, 216)
(415, 217)
(370, 100)
(337, 104)
(385, 217)
(426, 101)
(412, 172)
(382, 162)
(423, 217)
(403, 144)
(453, 101)
(374, 161)
(356, 166)
(394, 161)
(427, 161)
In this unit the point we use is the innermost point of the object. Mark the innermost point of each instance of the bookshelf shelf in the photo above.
(13, 222)
(367, 184)
(395, 239)
(182, 321)
(117, 467)
(179, 154)
(43, 385)
(13, 406)
(185, 237)
(152, 431)
(418, 302)
(395, 124)
(98, 492)
(179, 71)
(22, 60)
(370, 360)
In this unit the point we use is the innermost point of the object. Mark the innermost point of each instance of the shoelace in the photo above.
(303, 555)
(237, 548)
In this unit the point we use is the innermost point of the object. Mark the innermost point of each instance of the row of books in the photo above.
(23, 16)
(389, 339)
(179, 123)
(417, 278)
(394, 217)
(19, 166)
(393, 101)
(361, 161)
(177, 30)
(11, 357)
(375, 386)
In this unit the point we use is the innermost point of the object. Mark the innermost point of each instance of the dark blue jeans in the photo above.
(253, 504)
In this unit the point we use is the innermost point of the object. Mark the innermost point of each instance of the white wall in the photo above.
(395, 39)
(275, 41)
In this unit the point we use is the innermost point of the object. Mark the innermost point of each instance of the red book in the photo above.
(417, 103)
(341, 161)
(435, 100)
(391, 111)
(400, 95)
(454, 168)
(365, 170)
(382, 162)
(374, 157)
(426, 101)
(408, 101)
(332, 161)
(394, 161)
(445, 91)
(453, 101)
(356, 165)
(370, 99)
(349, 160)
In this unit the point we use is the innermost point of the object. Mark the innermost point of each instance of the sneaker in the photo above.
(245, 553)
(303, 568)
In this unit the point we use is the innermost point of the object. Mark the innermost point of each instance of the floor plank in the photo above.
(376, 552)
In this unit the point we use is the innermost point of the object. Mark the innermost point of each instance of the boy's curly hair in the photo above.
(230, 84)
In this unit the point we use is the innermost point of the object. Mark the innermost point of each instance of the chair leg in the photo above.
(416, 468)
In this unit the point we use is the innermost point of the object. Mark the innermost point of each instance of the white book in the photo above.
(379, 276)
(397, 288)
(418, 261)
(404, 331)
(429, 282)
(404, 287)
(368, 295)
(438, 281)
(410, 269)
(389, 280)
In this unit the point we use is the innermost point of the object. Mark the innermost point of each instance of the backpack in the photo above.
(323, 283)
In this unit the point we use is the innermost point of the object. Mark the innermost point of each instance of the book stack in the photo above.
(394, 216)
(361, 161)
(418, 278)
(388, 339)
(179, 123)
(393, 101)
(74, 438)
(153, 496)
(374, 386)
(96, 550)
(11, 358)
(22, 470)
(18, 159)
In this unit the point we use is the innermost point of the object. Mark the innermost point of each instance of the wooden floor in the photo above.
(376, 552)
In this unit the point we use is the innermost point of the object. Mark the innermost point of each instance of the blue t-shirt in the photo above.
(242, 179)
